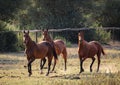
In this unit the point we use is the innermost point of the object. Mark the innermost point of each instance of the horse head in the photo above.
(80, 37)
(45, 34)
(26, 37)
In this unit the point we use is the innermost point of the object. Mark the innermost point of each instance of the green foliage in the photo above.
(20, 45)
(102, 36)
(7, 41)
(110, 16)
(53, 14)
(37, 14)
(8, 8)
(2, 26)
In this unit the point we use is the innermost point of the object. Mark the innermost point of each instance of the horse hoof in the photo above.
(90, 70)
(47, 74)
(81, 71)
(97, 71)
(30, 74)
(51, 71)
(41, 72)
(25, 66)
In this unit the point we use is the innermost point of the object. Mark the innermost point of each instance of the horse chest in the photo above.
(29, 54)
(83, 51)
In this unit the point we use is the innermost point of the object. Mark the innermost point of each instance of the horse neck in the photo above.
(81, 45)
(49, 39)
(30, 44)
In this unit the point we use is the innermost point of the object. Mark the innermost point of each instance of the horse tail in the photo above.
(97, 43)
(103, 51)
(54, 53)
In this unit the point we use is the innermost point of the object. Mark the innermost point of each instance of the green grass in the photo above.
(12, 71)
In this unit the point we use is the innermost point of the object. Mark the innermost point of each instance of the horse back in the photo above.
(44, 49)
(89, 49)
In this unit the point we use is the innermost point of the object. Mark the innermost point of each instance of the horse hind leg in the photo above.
(49, 64)
(42, 64)
(93, 59)
(98, 55)
(64, 54)
(54, 65)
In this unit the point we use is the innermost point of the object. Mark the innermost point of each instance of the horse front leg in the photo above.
(29, 66)
(81, 65)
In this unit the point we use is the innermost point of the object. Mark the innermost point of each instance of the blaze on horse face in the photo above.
(80, 37)
(26, 37)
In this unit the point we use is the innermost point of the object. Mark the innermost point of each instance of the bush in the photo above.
(8, 41)
(102, 36)
(20, 44)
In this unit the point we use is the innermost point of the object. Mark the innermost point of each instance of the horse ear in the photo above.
(24, 31)
(46, 29)
(42, 30)
(28, 32)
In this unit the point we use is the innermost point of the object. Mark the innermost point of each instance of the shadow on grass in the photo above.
(67, 76)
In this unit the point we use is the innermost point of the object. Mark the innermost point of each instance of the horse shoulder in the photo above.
(83, 51)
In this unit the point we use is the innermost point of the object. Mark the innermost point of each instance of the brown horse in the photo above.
(58, 44)
(38, 51)
(88, 50)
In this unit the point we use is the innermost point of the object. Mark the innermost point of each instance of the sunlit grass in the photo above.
(12, 71)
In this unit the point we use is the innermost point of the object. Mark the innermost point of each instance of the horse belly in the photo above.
(93, 51)
(41, 53)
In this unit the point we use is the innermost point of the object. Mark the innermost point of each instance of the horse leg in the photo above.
(29, 66)
(49, 64)
(98, 62)
(54, 64)
(81, 65)
(93, 59)
(42, 64)
(44, 61)
(64, 54)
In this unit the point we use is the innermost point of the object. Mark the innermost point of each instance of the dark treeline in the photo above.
(37, 14)
(57, 14)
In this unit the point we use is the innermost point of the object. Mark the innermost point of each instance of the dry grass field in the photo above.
(12, 71)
